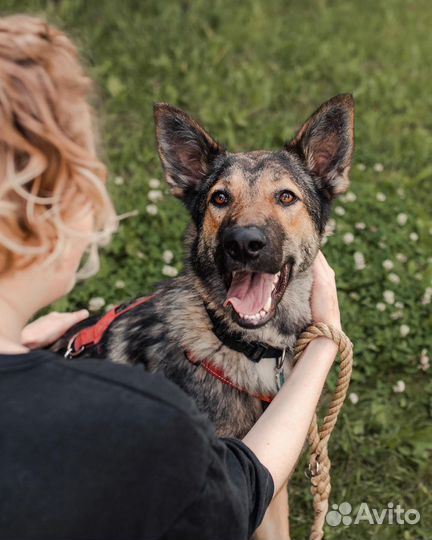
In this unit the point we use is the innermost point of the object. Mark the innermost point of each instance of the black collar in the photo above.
(254, 350)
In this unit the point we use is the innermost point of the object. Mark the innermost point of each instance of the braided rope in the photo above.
(318, 437)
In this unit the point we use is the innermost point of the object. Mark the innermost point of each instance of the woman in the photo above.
(90, 449)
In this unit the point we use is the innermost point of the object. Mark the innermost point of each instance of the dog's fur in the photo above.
(314, 166)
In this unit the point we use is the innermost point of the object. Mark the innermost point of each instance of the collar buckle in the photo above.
(257, 351)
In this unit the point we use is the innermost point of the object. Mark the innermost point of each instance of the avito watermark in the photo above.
(390, 515)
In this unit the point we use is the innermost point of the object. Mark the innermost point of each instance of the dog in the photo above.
(224, 329)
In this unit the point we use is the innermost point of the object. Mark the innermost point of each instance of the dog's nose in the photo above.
(243, 243)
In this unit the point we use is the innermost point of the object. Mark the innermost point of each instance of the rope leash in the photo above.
(318, 437)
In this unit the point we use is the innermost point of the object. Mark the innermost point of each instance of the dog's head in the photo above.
(258, 216)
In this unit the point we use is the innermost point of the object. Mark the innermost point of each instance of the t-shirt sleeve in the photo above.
(234, 496)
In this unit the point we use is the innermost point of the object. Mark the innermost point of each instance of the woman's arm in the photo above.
(278, 437)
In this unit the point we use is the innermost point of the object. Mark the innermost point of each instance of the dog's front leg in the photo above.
(275, 524)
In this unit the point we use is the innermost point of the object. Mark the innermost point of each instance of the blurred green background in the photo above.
(253, 71)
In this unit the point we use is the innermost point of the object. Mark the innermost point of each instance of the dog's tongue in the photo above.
(249, 292)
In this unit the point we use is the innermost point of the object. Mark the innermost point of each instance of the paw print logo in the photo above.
(339, 514)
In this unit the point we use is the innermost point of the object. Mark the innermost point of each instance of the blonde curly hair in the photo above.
(49, 169)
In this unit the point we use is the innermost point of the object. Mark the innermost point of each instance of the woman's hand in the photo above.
(47, 329)
(324, 301)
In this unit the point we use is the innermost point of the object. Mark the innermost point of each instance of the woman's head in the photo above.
(53, 199)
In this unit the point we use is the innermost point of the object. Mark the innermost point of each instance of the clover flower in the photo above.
(401, 219)
(359, 261)
(394, 278)
(353, 397)
(399, 387)
(154, 183)
(404, 330)
(169, 271)
(152, 209)
(348, 238)
(389, 297)
(96, 303)
(167, 256)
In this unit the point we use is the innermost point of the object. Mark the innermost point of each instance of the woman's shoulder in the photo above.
(100, 382)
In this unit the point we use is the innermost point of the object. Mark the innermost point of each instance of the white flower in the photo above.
(401, 257)
(96, 303)
(330, 227)
(359, 261)
(155, 194)
(396, 315)
(424, 362)
(154, 183)
(350, 196)
(120, 284)
(389, 297)
(119, 180)
(401, 192)
(427, 296)
(404, 330)
(340, 211)
(394, 278)
(361, 166)
(354, 295)
(348, 238)
(381, 196)
(353, 397)
(169, 271)
(381, 306)
(399, 305)
(401, 219)
(109, 307)
(140, 255)
(378, 167)
(360, 226)
(152, 209)
(167, 256)
(413, 237)
(382, 244)
(399, 387)
(388, 264)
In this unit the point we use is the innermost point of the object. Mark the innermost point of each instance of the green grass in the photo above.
(253, 71)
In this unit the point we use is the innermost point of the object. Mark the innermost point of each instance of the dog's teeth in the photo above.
(262, 313)
(268, 305)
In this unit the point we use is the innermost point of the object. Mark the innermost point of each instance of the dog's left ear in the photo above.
(186, 150)
(326, 143)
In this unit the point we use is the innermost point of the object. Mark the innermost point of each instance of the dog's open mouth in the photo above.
(253, 296)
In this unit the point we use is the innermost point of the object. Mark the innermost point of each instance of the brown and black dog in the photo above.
(236, 310)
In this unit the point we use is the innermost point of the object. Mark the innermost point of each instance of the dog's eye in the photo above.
(219, 198)
(287, 197)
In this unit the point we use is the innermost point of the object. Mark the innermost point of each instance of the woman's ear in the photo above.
(186, 150)
(326, 142)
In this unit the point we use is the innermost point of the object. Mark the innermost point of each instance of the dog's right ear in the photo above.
(186, 150)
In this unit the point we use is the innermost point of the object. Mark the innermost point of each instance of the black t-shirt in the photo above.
(94, 450)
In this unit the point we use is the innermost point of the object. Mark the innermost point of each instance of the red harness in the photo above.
(93, 335)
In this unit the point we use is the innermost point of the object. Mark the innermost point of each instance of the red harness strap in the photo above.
(93, 335)
(219, 374)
